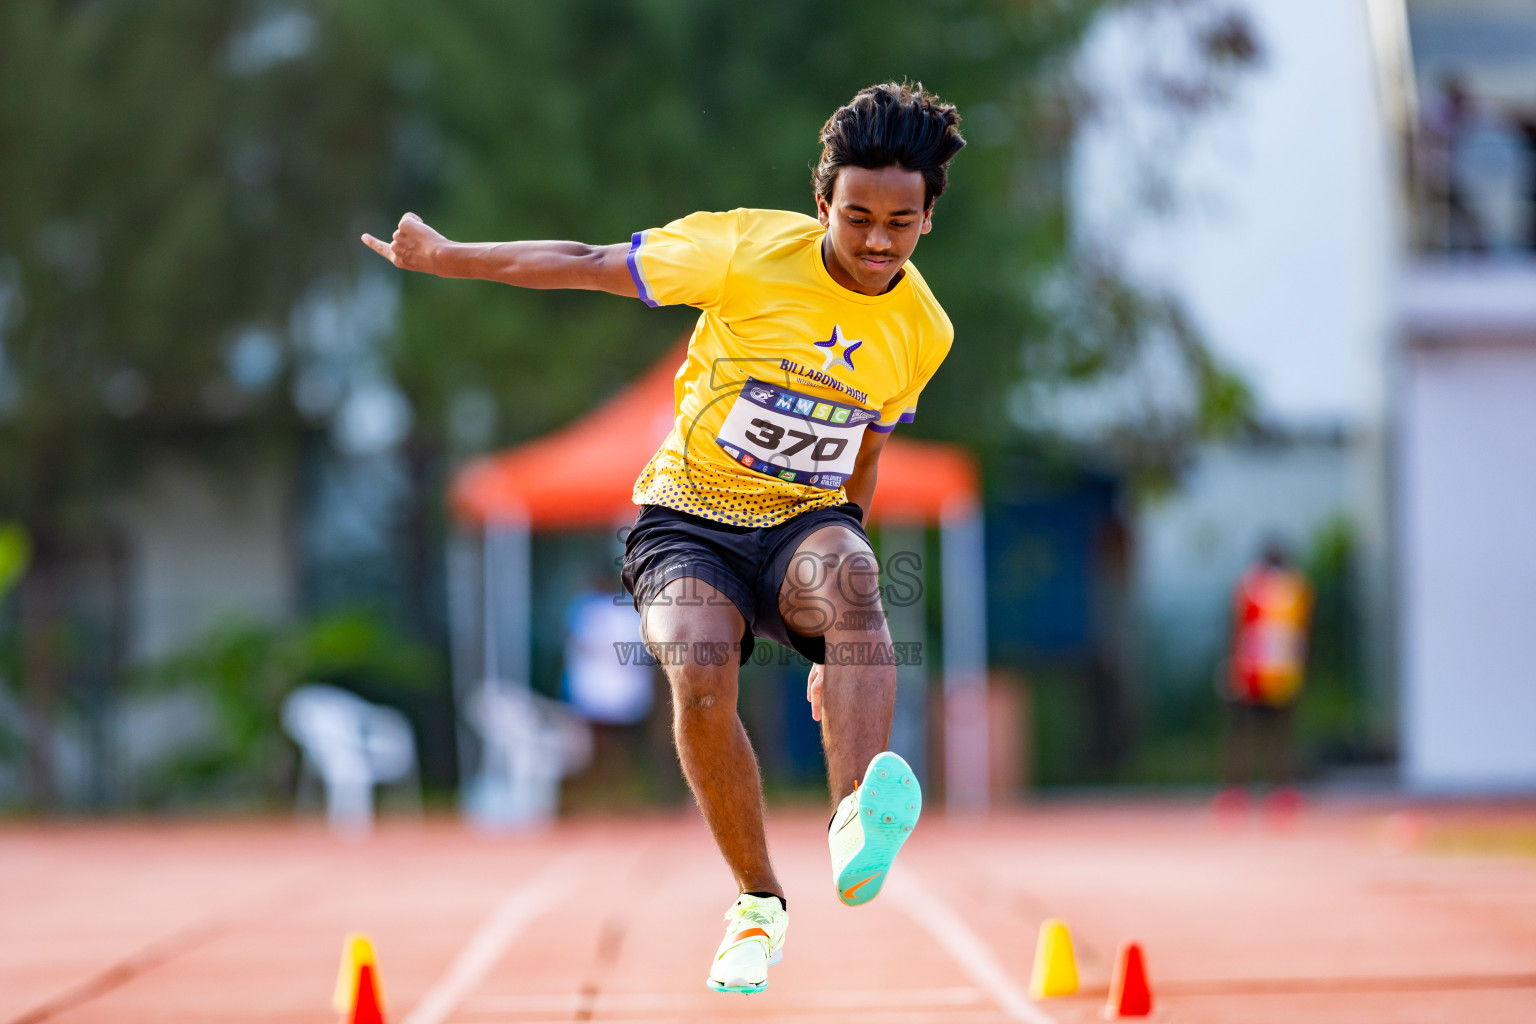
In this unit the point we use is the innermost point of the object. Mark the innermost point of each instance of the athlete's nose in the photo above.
(879, 240)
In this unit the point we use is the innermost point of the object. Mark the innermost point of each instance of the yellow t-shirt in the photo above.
(785, 370)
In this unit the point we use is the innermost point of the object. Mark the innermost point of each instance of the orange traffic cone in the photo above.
(359, 996)
(1129, 995)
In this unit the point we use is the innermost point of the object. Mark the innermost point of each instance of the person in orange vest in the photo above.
(1265, 675)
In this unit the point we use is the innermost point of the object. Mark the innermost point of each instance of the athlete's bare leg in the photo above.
(694, 630)
(832, 588)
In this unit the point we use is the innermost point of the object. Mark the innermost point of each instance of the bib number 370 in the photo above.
(822, 449)
(797, 438)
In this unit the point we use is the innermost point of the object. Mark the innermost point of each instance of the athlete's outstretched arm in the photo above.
(416, 246)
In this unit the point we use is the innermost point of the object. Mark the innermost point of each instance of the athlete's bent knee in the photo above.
(701, 686)
(832, 584)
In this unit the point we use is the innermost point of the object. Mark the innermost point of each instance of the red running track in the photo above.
(615, 920)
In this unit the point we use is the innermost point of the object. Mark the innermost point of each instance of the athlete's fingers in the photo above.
(382, 248)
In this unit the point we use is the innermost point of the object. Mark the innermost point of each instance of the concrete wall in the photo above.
(1280, 238)
(1467, 499)
(205, 548)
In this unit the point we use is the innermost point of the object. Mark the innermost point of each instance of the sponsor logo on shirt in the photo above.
(746, 458)
(840, 415)
(761, 394)
(862, 416)
(831, 480)
(803, 406)
(824, 379)
(784, 402)
(787, 474)
(822, 411)
(732, 451)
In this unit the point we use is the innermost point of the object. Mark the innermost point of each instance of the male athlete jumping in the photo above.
(815, 339)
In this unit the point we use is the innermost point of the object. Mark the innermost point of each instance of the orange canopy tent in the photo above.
(582, 475)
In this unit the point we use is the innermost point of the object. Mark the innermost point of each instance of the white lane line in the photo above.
(521, 907)
(973, 955)
(675, 1002)
(977, 1016)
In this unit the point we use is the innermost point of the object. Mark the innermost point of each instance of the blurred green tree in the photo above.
(180, 180)
(173, 175)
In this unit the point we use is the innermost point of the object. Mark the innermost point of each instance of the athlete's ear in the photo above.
(927, 221)
(823, 214)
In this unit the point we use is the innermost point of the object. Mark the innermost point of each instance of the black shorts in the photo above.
(745, 564)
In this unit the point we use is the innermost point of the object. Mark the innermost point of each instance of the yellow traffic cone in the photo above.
(1055, 967)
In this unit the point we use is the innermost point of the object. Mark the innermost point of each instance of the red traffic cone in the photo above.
(1129, 995)
(359, 998)
(366, 1009)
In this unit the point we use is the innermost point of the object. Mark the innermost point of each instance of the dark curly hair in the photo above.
(891, 124)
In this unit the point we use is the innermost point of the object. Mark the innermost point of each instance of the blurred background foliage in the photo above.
(182, 184)
(180, 175)
(245, 670)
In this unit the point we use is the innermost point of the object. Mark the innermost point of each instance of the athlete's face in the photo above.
(873, 223)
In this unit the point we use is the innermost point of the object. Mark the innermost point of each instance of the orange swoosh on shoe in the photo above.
(750, 932)
(855, 887)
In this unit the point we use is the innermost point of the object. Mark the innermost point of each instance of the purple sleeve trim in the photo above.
(877, 428)
(908, 417)
(636, 272)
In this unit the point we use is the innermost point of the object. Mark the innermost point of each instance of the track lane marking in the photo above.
(120, 973)
(975, 1015)
(970, 953)
(987, 1015)
(157, 953)
(675, 1002)
(518, 909)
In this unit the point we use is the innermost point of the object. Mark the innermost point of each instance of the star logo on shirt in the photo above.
(839, 349)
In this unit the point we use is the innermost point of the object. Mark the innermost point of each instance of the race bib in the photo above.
(797, 438)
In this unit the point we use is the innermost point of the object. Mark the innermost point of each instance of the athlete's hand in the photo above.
(813, 691)
(415, 246)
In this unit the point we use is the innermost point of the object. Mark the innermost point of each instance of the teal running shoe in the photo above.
(870, 826)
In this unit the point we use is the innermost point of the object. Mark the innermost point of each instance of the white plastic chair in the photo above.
(528, 744)
(352, 746)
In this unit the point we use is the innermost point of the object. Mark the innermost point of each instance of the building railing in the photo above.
(1472, 177)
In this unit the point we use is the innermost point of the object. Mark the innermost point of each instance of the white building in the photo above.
(1281, 241)
(1467, 527)
(1309, 263)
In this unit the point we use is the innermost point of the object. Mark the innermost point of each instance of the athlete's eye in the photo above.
(901, 225)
